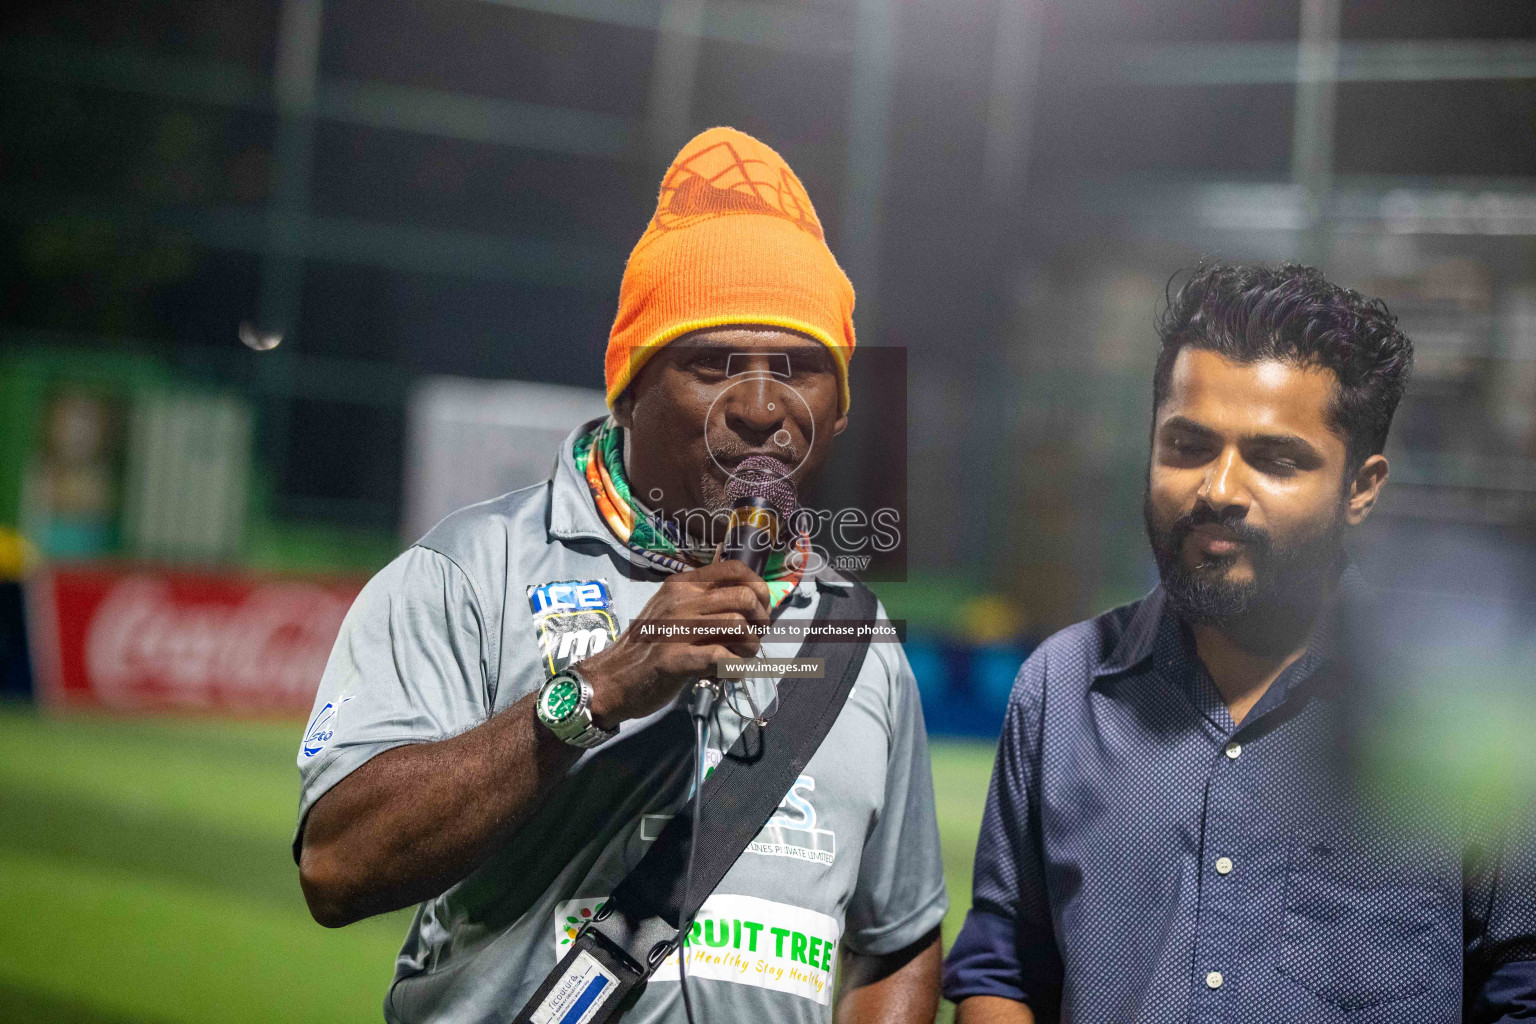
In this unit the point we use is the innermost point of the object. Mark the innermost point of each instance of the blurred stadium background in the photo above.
(285, 280)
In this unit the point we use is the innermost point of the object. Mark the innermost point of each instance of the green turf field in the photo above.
(145, 876)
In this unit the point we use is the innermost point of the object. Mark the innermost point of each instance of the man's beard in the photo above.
(1286, 579)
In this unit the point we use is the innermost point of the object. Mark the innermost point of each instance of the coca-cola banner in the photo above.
(135, 639)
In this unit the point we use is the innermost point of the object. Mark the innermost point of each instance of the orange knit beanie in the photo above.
(734, 240)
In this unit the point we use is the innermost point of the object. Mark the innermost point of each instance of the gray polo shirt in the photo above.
(471, 619)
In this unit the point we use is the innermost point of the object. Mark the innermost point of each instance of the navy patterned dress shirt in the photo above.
(1144, 859)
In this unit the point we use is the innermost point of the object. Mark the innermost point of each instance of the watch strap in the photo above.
(578, 729)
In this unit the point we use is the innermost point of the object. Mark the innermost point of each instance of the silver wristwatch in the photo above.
(565, 707)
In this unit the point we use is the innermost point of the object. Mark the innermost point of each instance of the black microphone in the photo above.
(752, 533)
(763, 498)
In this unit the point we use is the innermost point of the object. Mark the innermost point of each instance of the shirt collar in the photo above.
(572, 513)
(1350, 597)
(1135, 644)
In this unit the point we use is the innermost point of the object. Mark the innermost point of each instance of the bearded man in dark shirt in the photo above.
(1176, 829)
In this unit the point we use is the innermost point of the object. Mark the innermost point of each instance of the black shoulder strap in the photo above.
(638, 926)
(746, 788)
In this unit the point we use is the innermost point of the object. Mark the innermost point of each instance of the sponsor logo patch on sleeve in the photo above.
(321, 728)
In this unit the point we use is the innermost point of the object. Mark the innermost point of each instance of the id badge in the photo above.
(590, 984)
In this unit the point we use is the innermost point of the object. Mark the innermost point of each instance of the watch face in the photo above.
(560, 699)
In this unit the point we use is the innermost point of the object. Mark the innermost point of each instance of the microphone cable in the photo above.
(700, 708)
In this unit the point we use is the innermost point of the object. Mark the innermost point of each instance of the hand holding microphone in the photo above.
(636, 675)
(763, 498)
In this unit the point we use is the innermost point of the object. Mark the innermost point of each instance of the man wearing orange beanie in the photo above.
(496, 740)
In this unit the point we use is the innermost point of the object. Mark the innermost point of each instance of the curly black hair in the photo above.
(1253, 312)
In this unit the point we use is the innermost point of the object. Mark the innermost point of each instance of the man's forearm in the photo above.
(992, 1010)
(902, 987)
(416, 819)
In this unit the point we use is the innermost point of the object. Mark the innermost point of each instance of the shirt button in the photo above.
(1223, 865)
(1213, 980)
(1234, 749)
